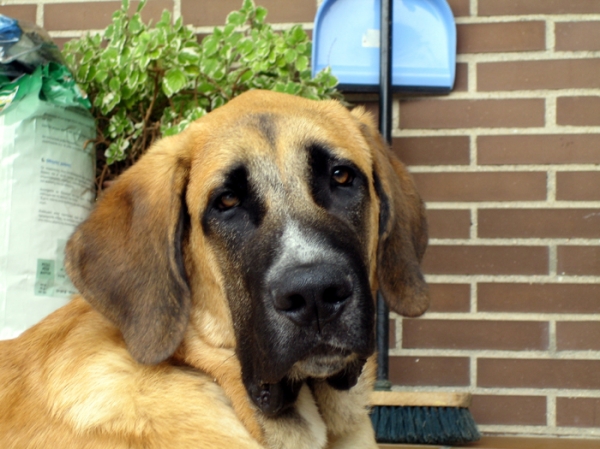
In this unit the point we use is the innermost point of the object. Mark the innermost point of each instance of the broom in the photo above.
(398, 417)
(415, 417)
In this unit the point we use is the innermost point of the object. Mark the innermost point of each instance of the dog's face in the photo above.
(284, 212)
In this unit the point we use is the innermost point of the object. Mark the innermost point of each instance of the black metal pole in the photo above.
(385, 127)
(385, 73)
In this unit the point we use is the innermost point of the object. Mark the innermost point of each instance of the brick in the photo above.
(214, 13)
(461, 77)
(578, 335)
(459, 7)
(449, 297)
(446, 150)
(538, 298)
(536, 75)
(523, 7)
(20, 12)
(438, 371)
(578, 186)
(474, 334)
(539, 223)
(577, 36)
(392, 339)
(579, 260)
(538, 149)
(449, 224)
(538, 373)
(452, 114)
(501, 37)
(95, 15)
(479, 259)
(61, 41)
(578, 111)
(578, 412)
(499, 186)
(509, 410)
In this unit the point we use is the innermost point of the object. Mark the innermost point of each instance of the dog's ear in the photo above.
(126, 258)
(402, 227)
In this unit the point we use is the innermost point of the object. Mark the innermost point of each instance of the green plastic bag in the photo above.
(52, 82)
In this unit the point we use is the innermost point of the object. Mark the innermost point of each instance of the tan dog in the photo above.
(227, 284)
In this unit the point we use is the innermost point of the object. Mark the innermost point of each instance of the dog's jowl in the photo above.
(227, 290)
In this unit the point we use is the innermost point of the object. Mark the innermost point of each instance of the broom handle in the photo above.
(385, 127)
(383, 334)
(385, 72)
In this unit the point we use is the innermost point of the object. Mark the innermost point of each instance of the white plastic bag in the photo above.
(46, 189)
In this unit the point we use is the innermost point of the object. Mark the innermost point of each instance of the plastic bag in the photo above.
(47, 167)
(24, 47)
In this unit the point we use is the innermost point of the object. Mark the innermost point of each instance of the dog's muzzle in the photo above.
(312, 319)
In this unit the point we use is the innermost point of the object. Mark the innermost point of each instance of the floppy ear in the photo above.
(402, 228)
(126, 258)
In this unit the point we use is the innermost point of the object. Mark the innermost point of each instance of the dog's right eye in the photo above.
(227, 200)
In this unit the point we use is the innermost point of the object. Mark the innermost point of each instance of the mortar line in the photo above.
(585, 356)
(504, 391)
(474, 228)
(537, 431)
(176, 9)
(473, 371)
(500, 168)
(553, 259)
(551, 411)
(480, 131)
(39, 15)
(474, 18)
(512, 316)
(509, 94)
(473, 297)
(552, 185)
(550, 116)
(551, 34)
(513, 241)
(511, 278)
(472, 77)
(552, 347)
(534, 55)
(436, 205)
(473, 150)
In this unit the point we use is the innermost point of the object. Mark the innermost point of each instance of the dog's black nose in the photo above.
(311, 295)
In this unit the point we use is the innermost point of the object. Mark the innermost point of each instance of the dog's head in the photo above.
(268, 225)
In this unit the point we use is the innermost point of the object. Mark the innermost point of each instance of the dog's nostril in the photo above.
(336, 294)
(289, 303)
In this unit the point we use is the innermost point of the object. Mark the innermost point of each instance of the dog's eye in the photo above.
(227, 200)
(342, 176)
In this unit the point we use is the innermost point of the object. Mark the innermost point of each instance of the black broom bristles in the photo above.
(424, 425)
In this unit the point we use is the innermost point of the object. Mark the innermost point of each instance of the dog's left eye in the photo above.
(342, 176)
(227, 201)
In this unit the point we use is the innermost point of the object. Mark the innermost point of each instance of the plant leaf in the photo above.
(174, 81)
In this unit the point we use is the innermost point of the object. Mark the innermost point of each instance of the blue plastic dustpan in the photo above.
(346, 38)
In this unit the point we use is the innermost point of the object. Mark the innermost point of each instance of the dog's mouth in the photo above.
(323, 362)
(340, 368)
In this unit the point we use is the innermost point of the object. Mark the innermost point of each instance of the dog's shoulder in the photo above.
(70, 382)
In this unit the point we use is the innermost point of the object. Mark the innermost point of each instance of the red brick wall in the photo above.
(508, 165)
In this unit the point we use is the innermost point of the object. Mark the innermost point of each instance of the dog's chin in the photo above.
(319, 366)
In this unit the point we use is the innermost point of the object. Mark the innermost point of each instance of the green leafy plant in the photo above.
(147, 81)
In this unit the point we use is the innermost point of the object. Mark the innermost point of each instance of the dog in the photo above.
(227, 283)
